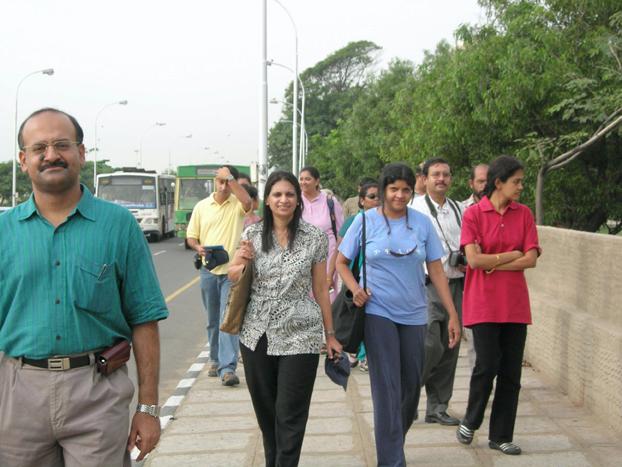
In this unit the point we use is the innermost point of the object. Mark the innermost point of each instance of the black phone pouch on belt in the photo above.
(113, 357)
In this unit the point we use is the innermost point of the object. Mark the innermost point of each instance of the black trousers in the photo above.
(280, 388)
(499, 354)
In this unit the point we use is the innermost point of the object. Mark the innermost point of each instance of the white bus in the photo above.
(149, 196)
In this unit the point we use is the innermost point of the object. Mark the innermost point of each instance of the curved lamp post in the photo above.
(96, 146)
(295, 96)
(46, 71)
(140, 153)
(188, 136)
(295, 161)
(304, 139)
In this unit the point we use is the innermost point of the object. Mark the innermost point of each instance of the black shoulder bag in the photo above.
(348, 319)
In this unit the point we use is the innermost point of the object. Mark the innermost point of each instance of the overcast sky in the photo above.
(194, 65)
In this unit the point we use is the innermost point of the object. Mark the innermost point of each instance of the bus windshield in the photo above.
(191, 191)
(131, 192)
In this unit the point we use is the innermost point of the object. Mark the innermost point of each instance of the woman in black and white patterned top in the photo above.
(281, 335)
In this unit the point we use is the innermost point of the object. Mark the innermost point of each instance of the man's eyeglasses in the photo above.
(400, 254)
(60, 146)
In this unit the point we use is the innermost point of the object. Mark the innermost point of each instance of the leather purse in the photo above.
(349, 319)
(113, 357)
(237, 301)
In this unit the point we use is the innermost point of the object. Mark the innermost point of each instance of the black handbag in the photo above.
(349, 319)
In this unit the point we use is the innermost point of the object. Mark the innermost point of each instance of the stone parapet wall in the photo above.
(576, 337)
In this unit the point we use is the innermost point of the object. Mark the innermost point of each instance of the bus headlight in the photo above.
(150, 220)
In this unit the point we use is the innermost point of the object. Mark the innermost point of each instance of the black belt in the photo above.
(59, 363)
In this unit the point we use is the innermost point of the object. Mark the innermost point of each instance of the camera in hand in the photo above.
(198, 261)
(456, 259)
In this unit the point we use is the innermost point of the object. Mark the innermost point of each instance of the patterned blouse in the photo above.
(280, 305)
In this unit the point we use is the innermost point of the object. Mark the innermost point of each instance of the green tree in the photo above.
(332, 87)
(24, 187)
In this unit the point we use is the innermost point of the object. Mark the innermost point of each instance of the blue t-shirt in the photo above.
(397, 284)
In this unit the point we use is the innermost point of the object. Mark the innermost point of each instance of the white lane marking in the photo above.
(173, 401)
(159, 252)
(186, 383)
(204, 354)
(180, 244)
(196, 367)
(164, 421)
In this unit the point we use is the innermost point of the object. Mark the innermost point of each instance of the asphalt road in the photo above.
(183, 334)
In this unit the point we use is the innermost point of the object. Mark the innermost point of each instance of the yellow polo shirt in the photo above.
(217, 224)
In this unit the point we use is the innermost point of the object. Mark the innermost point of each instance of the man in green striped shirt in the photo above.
(76, 277)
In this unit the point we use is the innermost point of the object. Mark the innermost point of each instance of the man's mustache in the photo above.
(58, 163)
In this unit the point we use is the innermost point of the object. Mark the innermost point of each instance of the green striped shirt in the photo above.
(77, 287)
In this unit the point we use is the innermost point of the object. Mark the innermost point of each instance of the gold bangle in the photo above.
(490, 271)
(330, 333)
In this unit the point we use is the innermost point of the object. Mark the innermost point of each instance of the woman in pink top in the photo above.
(500, 240)
(317, 212)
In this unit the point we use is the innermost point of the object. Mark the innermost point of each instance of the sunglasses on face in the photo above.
(371, 196)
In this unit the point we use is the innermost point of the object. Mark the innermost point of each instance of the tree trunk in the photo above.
(540, 193)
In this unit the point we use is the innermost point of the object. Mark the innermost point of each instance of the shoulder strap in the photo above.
(456, 209)
(333, 219)
(363, 247)
(435, 215)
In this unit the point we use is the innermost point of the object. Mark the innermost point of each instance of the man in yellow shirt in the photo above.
(217, 221)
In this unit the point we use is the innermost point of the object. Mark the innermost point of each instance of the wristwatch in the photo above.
(152, 410)
(230, 177)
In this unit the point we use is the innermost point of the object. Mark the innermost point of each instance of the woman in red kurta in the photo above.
(500, 241)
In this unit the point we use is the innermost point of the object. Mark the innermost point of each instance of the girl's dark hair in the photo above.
(502, 168)
(251, 190)
(391, 173)
(315, 173)
(267, 242)
(363, 192)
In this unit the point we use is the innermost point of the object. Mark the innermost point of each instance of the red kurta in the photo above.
(500, 297)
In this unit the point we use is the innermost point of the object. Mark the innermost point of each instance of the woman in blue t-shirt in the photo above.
(398, 242)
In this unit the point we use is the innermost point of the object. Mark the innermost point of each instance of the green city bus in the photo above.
(193, 183)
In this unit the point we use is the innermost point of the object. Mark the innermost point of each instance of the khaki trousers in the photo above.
(63, 418)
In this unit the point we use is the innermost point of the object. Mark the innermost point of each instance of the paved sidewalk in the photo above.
(216, 426)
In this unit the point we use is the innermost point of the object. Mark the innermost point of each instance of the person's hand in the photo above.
(333, 347)
(453, 327)
(245, 251)
(145, 434)
(223, 173)
(330, 275)
(517, 254)
(361, 296)
(200, 250)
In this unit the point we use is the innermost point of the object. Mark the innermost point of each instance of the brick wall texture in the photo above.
(576, 337)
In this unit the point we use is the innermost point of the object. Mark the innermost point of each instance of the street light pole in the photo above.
(46, 71)
(188, 136)
(295, 96)
(263, 101)
(302, 115)
(96, 146)
(140, 153)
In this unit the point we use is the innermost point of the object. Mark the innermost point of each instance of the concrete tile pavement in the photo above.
(216, 426)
